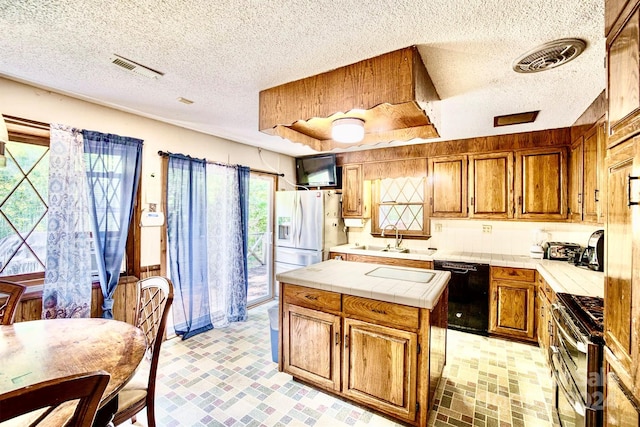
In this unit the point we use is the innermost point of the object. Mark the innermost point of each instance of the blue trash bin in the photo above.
(273, 326)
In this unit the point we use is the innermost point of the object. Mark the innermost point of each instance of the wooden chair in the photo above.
(49, 395)
(154, 298)
(8, 308)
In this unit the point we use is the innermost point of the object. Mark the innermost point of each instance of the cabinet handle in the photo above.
(346, 341)
(519, 200)
(472, 201)
(629, 179)
(595, 195)
(311, 297)
(579, 198)
(337, 338)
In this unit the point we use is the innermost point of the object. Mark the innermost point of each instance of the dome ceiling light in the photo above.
(386, 98)
(347, 130)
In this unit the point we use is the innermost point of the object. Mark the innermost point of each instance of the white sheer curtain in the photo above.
(227, 274)
(67, 280)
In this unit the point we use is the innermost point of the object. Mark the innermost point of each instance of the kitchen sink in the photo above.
(410, 275)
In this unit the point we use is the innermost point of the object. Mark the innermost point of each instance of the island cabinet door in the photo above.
(380, 366)
(311, 346)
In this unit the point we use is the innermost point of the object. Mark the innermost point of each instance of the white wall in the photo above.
(29, 102)
(465, 235)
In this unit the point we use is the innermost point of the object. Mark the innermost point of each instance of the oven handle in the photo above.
(577, 406)
(578, 345)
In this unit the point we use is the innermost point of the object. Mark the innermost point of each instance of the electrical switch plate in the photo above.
(486, 229)
(438, 228)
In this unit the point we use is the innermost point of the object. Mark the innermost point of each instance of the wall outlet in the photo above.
(438, 228)
(486, 229)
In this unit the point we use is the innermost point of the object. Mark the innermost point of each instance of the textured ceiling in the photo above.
(221, 54)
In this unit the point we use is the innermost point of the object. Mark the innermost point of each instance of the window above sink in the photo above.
(400, 202)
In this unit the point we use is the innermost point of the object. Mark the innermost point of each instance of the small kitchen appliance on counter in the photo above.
(537, 249)
(593, 254)
(561, 251)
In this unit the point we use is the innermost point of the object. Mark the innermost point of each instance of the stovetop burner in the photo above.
(588, 310)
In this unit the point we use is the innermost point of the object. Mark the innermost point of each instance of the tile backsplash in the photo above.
(496, 237)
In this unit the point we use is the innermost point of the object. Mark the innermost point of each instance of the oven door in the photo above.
(569, 406)
(572, 347)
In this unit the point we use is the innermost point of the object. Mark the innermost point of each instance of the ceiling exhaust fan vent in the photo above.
(549, 55)
(134, 67)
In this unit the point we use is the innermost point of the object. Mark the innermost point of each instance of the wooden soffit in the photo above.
(386, 92)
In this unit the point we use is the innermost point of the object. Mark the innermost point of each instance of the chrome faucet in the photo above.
(398, 240)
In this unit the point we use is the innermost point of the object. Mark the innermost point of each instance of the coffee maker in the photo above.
(593, 255)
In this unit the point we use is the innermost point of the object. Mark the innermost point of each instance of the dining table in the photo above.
(40, 350)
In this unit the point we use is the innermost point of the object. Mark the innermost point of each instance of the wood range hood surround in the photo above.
(389, 92)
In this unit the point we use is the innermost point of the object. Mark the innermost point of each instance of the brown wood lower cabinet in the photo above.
(386, 356)
(544, 326)
(621, 409)
(313, 347)
(380, 365)
(400, 262)
(512, 302)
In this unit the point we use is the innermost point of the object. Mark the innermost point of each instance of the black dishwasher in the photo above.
(468, 296)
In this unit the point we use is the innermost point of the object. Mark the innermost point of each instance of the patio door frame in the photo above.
(270, 251)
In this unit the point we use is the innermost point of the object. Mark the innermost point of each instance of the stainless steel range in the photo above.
(576, 359)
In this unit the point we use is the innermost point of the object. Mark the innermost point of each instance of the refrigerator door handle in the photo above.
(300, 221)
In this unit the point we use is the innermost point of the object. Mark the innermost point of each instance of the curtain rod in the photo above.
(211, 162)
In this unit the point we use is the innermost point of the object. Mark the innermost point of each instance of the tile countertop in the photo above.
(351, 278)
(561, 276)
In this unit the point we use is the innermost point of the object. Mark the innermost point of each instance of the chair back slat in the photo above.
(10, 294)
(87, 389)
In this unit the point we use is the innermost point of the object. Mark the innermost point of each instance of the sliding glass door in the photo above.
(260, 253)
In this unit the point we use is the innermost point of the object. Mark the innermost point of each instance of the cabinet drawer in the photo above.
(401, 316)
(517, 274)
(545, 288)
(311, 298)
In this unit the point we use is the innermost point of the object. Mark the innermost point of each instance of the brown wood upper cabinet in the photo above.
(540, 190)
(623, 66)
(586, 162)
(356, 195)
(448, 187)
(491, 185)
(622, 286)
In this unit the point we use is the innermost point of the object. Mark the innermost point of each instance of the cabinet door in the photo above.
(591, 175)
(542, 329)
(623, 89)
(619, 256)
(311, 346)
(353, 192)
(448, 187)
(491, 185)
(620, 409)
(575, 180)
(511, 310)
(612, 11)
(541, 184)
(380, 366)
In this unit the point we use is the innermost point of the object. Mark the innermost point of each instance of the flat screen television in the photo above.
(316, 171)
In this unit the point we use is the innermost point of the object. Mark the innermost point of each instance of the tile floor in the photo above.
(225, 377)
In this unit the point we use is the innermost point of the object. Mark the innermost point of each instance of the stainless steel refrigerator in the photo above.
(308, 223)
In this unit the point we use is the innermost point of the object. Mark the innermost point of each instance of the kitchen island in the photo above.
(370, 333)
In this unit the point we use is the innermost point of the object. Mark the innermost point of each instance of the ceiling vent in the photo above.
(134, 67)
(549, 55)
(515, 119)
